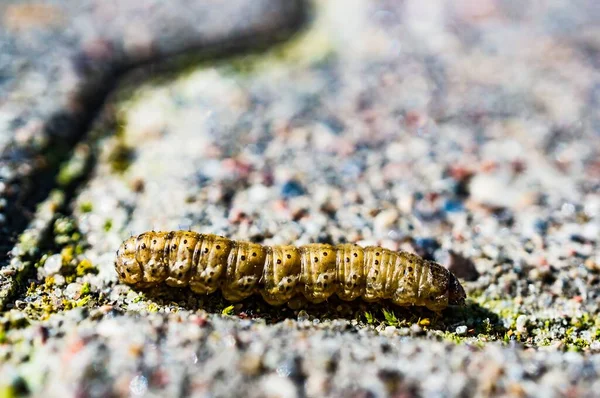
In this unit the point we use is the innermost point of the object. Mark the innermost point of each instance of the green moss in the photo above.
(66, 231)
(108, 224)
(75, 167)
(86, 207)
(453, 337)
(9, 391)
(569, 332)
(543, 332)
(11, 320)
(84, 267)
(48, 282)
(139, 298)
(585, 321)
(42, 301)
(67, 254)
(64, 226)
(310, 47)
(41, 261)
(369, 317)
(120, 157)
(228, 310)
(82, 302)
(488, 328)
(85, 290)
(79, 248)
(28, 243)
(390, 317)
(67, 304)
(475, 341)
(31, 289)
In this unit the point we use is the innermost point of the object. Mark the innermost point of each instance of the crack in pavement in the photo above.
(60, 60)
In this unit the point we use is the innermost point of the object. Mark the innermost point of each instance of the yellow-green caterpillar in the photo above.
(207, 262)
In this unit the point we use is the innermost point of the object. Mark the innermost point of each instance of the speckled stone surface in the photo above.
(467, 132)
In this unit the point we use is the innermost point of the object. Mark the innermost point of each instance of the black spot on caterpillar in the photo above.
(207, 262)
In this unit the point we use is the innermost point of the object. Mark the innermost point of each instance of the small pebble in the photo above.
(275, 386)
(521, 323)
(138, 386)
(292, 189)
(416, 329)
(453, 206)
(389, 331)
(302, 316)
(53, 264)
(384, 221)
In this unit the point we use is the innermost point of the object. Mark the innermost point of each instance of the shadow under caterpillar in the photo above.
(207, 262)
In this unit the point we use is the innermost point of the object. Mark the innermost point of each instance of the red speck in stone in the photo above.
(593, 169)
(201, 321)
(238, 167)
(459, 237)
(159, 378)
(228, 164)
(489, 166)
(432, 196)
(415, 119)
(573, 392)
(243, 315)
(73, 348)
(236, 216)
(542, 261)
(243, 168)
(280, 206)
(578, 299)
(105, 309)
(460, 173)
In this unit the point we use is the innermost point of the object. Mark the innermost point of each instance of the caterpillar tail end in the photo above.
(128, 269)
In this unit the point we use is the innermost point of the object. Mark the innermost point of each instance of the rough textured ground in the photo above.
(468, 132)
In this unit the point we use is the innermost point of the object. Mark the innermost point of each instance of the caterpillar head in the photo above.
(456, 293)
(443, 289)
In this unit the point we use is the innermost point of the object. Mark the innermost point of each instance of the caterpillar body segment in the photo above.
(244, 270)
(207, 262)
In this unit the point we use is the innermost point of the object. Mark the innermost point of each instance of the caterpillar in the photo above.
(207, 262)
